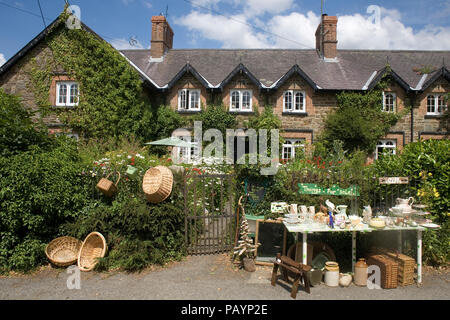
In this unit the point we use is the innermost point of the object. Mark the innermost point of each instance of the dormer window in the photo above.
(67, 94)
(294, 101)
(189, 100)
(241, 100)
(389, 99)
(436, 104)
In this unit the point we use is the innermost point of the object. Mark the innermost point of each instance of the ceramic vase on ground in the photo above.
(332, 274)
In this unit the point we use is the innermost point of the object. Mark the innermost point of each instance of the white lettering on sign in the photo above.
(394, 180)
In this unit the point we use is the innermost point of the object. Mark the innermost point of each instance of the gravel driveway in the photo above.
(210, 277)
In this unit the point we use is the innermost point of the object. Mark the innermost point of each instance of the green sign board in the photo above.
(334, 190)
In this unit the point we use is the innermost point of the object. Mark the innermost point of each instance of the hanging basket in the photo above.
(63, 251)
(157, 184)
(107, 187)
(93, 248)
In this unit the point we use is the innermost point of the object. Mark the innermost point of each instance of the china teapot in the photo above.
(405, 204)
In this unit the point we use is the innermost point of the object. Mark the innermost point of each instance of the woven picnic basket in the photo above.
(406, 266)
(388, 268)
(157, 184)
(63, 251)
(107, 187)
(93, 248)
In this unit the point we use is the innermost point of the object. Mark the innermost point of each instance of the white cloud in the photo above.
(124, 44)
(258, 7)
(147, 4)
(297, 30)
(2, 59)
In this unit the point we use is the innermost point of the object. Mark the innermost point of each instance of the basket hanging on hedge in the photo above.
(157, 184)
(63, 251)
(107, 187)
(93, 248)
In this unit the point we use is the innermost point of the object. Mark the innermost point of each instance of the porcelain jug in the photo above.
(405, 204)
(293, 209)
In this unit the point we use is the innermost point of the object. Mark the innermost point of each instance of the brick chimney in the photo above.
(327, 45)
(162, 37)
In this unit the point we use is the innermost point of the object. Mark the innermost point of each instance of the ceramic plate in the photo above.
(430, 225)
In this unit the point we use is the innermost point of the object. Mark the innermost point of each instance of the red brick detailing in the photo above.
(186, 82)
(55, 79)
(162, 37)
(329, 41)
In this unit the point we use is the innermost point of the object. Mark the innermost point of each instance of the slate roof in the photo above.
(352, 70)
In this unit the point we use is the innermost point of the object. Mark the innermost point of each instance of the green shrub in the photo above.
(39, 191)
(427, 163)
(17, 130)
(138, 233)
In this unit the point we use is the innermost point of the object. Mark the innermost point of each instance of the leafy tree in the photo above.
(17, 131)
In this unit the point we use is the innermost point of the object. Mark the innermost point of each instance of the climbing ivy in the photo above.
(359, 121)
(112, 101)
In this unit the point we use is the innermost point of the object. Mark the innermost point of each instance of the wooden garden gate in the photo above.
(210, 218)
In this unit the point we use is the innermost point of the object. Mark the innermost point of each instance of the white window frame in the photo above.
(436, 111)
(289, 146)
(241, 93)
(394, 97)
(299, 107)
(69, 85)
(188, 101)
(386, 144)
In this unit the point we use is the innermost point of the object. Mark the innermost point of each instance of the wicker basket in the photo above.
(63, 251)
(406, 266)
(93, 248)
(107, 187)
(157, 184)
(388, 268)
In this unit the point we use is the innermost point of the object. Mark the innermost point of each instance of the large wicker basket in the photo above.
(388, 268)
(157, 184)
(63, 251)
(93, 248)
(406, 265)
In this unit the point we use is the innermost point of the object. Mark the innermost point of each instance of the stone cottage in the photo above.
(300, 85)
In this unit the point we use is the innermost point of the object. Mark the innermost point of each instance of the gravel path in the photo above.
(199, 278)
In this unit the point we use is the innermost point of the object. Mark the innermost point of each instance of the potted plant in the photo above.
(245, 248)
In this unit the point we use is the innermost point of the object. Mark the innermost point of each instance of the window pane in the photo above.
(183, 99)
(74, 94)
(195, 99)
(441, 104)
(246, 103)
(62, 94)
(287, 152)
(288, 100)
(235, 100)
(389, 102)
(299, 105)
(431, 104)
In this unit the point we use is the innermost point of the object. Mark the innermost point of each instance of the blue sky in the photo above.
(404, 24)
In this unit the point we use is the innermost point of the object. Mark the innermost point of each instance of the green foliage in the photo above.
(428, 164)
(39, 190)
(138, 233)
(216, 117)
(17, 130)
(359, 120)
(112, 101)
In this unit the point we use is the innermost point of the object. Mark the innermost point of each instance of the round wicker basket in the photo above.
(93, 247)
(63, 251)
(157, 184)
